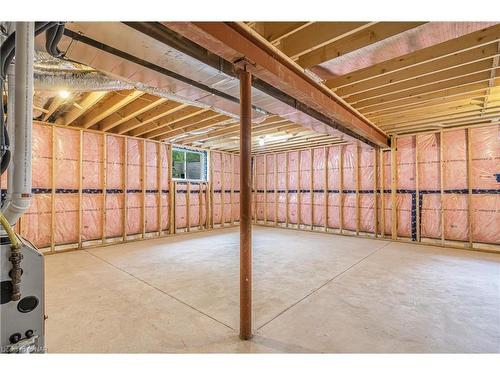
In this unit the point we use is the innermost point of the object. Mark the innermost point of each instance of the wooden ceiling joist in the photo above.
(148, 117)
(446, 85)
(54, 105)
(227, 131)
(169, 122)
(432, 67)
(364, 37)
(426, 55)
(317, 35)
(107, 107)
(290, 129)
(192, 124)
(445, 77)
(145, 103)
(390, 97)
(82, 107)
(438, 95)
(275, 31)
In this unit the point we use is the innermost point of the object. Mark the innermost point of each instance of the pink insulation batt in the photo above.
(281, 180)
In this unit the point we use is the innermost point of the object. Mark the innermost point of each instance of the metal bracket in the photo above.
(244, 64)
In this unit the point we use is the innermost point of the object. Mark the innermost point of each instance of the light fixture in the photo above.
(261, 142)
(64, 94)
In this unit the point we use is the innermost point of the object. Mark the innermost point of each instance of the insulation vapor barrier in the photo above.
(445, 189)
(92, 187)
(225, 182)
(440, 187)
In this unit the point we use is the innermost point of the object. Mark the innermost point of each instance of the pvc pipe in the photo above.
(11, 131)
(21, 179)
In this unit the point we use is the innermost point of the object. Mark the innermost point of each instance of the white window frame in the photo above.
(204, 164)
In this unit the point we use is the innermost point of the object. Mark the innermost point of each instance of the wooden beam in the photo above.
(143, 104)
(317, 35)
(275, 31)
(53, 192)
(125, 188)
(493, 74)
(159, 176)
(394, 186)
(449, 117)
(254, 189)
(286, 188)
(447, 78)
(211, 191)
(341, 188)
(148, 117)
(311, 187)
(107, 107)
(376, 174)
(265, 189)
(223, 191)
(439, 94)
(357, 181)
(469, 188)
(167, 123)
(284, 135)
(426, 89)
(447, 67)
(188, 206)
(275, 162)
(142, 149)
(104, 186)
(303, 145)
(442, 50)
(85, 105)
(417, 188)
(233, 130)
(291, 130)
(231, 40)
(80, 188)
(232, 188)
(441, 185)
(54, 105)
(206, 121)
(364, 37)
(325, 189)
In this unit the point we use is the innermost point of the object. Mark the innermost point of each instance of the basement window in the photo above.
(189, 165)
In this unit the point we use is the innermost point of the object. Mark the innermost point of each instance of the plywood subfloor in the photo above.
(313, 292)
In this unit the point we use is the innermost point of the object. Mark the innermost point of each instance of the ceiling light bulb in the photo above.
(64, 94)
(261, 142)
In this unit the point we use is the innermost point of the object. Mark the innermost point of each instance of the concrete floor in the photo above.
(313, 292)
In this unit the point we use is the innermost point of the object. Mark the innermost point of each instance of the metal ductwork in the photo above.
(209, 89)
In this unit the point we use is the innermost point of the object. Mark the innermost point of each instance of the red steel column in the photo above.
(245, 204)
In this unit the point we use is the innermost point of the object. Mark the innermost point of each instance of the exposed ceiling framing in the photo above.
(451, 81)
(139, 114)
(439, 75)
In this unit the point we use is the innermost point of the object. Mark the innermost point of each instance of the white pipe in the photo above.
(11, 131)
(21, 189)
